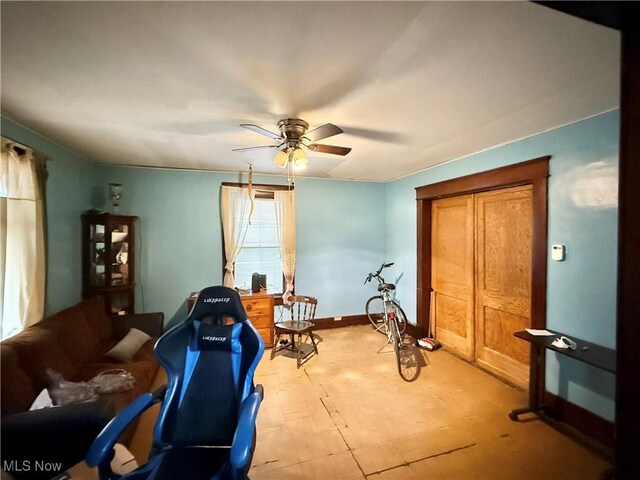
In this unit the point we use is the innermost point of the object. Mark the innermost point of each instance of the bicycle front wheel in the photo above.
(375, 313)
(396, 339)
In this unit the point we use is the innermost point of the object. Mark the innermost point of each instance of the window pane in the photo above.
(260, 252)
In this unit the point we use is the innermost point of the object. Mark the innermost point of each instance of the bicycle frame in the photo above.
(390, 319)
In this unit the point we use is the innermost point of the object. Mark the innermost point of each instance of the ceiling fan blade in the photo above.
(319, 147)
(377, 135)
(325, 131)
(261, 131)
(245, 149)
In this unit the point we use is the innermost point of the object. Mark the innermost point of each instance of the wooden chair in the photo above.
(303, 311)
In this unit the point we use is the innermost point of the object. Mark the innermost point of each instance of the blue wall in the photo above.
(581, 291)
(340, 239)
(340, 235)
(69, 192)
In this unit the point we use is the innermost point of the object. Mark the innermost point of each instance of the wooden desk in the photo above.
(587, 352)
(259, 307)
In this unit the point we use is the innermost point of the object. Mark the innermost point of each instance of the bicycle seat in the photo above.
(386, 286)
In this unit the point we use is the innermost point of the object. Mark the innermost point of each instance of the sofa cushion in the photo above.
(39, 349)
(81, 343)
(143, 370)
(97, 319)
(19, 396)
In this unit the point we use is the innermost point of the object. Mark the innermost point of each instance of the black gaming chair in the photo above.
(206, 426)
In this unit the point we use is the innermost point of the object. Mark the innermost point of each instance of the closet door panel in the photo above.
(452, 269)
(503, 280)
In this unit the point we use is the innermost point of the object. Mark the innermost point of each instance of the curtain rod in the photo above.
(16, 143)
(27, 148)
(258, 186)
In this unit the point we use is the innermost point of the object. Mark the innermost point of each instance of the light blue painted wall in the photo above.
(340, 234)
(340, 239)
(581, 291)
(68, 195)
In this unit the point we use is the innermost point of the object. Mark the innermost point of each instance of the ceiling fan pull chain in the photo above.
(250, 188)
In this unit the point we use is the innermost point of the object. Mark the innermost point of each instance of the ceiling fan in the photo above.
(294, 135)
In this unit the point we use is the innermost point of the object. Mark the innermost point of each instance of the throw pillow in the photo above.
(128, 346)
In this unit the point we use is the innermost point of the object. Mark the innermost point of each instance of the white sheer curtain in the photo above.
(285, 203)
(22, 257)
(235, 209)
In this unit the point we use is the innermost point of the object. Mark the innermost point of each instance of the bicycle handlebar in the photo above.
(377, 274)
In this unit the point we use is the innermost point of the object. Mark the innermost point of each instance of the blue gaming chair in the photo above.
(209, 404)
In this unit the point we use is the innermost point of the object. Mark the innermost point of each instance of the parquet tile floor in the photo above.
(346, 414)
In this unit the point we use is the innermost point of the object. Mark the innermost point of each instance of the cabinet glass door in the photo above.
(97, 252)
(120, 255)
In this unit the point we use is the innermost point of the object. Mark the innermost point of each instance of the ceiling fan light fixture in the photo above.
(299, 158)
(281, 158)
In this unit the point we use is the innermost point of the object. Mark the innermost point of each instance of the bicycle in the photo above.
(375, 307)
(387, 317)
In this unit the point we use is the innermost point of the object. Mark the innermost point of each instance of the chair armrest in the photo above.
(243, 438)
(57, 434)
(150, 323)
(101, 452)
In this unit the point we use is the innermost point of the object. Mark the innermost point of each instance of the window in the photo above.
(260, 251)
(267, 245)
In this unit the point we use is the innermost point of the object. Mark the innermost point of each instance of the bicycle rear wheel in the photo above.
(375, 313)
(401, 318)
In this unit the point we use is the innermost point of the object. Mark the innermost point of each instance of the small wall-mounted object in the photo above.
(558, 252)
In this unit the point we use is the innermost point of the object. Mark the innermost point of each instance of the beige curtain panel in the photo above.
(235, 210)
(285, 202)
(22, 256)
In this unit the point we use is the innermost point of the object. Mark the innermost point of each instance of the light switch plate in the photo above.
(558, 252)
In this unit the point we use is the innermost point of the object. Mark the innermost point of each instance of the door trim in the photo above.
(534, 172)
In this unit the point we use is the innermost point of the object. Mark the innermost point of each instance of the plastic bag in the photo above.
(64, 392)
(112, 381)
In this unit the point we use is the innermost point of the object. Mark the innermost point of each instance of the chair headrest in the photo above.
(218, 302)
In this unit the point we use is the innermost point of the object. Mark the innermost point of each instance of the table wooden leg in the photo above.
(536, 367)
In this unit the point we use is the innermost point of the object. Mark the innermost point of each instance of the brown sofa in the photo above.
(71, 342)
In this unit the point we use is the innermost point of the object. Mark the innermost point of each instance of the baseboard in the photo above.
(345, 321)
(415, 331)
(325, 323)
(599, 433)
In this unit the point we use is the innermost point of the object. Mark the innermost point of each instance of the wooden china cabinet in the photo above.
(108, 258)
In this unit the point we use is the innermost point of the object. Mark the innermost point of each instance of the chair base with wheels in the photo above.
(303, 310)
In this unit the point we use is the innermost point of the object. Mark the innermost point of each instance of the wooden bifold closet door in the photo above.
(481, 276)
(452, 259)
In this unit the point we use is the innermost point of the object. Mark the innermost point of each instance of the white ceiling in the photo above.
(412, 84)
